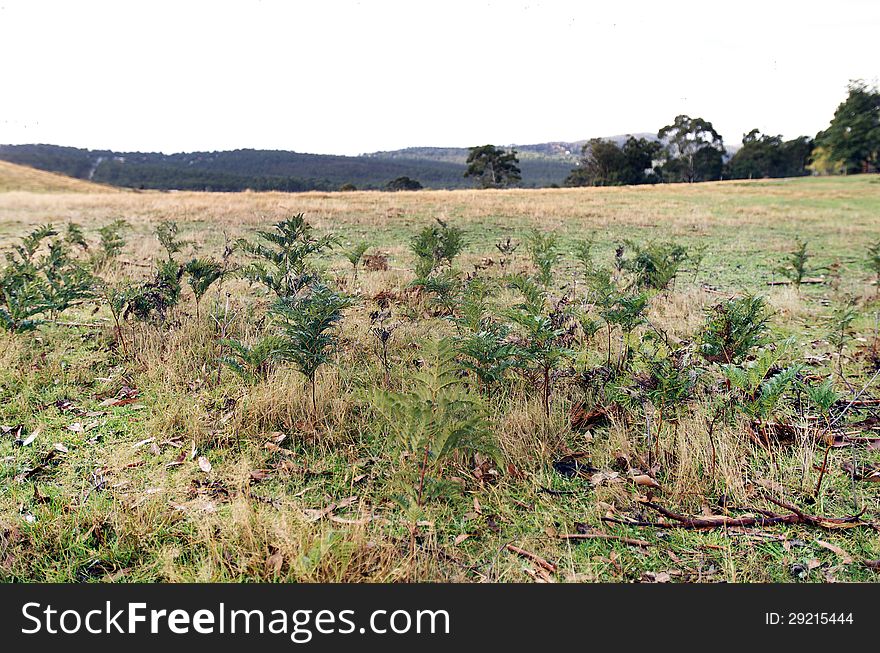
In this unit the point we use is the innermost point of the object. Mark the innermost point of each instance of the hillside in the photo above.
(542, 165)
(15, 177)
(438, 168)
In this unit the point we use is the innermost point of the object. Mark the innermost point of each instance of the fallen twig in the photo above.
(831, 523)
(766, 518)
(604, 536)
(538, 560)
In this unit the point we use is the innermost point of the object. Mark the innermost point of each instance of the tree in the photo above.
(694, 150)
(403, 183)
(493, 167)
(639, 155)
(600, 165)
(769, 156)
(604, 163)
(821, 162)
(853, 137)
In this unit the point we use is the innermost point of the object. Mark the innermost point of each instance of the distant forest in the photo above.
(261, 170)
(686, 150)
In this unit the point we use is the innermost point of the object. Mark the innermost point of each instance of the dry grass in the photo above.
(22, 178)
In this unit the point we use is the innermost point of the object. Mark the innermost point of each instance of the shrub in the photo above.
(403, 183)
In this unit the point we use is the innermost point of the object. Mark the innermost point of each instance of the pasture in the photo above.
(603, 435)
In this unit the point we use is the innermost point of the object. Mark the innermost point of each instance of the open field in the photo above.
(154, 463)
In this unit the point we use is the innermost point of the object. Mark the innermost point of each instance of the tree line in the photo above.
(690, 150)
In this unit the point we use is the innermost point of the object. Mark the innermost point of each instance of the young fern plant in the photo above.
(282, 256)
(354, 256)
(822, 397)
(117, 296)
(667, 384)
(583, 254)
(253, 362)
(166, 234)
(32, 284)
(436, 245)
(109, 246)
(874, 263)
(626, 312)
(547, 334)
(489, 354)
(734, 329)
(75, 237)
(840, 330)
(795, 265)
(202, 273)
(430, 423)
(486, 346)
(760, 387)
(655, 265)
(307, 329)
(152, 300)
(444, 289)
(543, 249)
(67, 281)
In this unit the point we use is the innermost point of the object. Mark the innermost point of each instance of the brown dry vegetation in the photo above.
(21, 178)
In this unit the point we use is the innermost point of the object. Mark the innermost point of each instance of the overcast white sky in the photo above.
(349, 77)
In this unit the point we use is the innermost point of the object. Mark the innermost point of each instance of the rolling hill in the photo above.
(15, 177)
(542, 165)
(275, 169)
